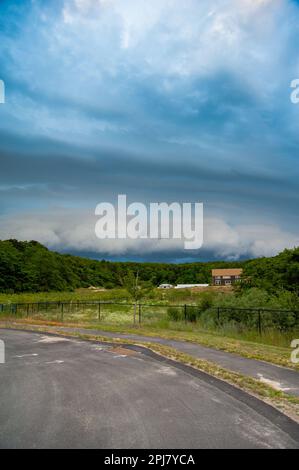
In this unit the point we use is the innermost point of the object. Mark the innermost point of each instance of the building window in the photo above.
(228, 283)
(217, 282)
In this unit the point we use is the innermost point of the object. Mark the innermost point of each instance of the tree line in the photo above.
(28, 266)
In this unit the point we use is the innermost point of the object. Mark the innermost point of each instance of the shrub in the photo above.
(206, 301)
(175, 313)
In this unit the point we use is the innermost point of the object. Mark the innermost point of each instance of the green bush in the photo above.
(175, 313)
(206, 300)
(273, 308)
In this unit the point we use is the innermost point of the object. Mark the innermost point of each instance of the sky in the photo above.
(162, 101)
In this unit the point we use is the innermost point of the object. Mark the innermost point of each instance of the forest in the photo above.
(31, 267)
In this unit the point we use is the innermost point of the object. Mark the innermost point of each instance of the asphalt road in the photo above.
(281, 378)
(67, 393)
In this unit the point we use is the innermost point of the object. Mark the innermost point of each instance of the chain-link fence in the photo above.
(104, 312)
(124, 313)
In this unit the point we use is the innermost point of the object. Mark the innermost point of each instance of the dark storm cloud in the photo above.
(174, 104)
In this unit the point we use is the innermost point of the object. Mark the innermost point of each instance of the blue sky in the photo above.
(163, 101)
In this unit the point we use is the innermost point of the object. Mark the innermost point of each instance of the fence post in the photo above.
(139, 314)
(218, 314)
(99, 313)
(185, 313)
(62, 311)
(134, 319)
(259, 323)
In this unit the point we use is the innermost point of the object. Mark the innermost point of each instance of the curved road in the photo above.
(282, 378)
(68, 393)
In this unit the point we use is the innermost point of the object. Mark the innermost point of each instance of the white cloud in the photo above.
(74, 230)
(229, 241)
(189, 38)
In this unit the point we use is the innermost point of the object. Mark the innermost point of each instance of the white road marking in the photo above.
(55, 362)
(274, 384)
(51, 339)
(26, 355)
(167, 371)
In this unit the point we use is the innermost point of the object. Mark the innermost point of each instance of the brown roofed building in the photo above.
(226, 277)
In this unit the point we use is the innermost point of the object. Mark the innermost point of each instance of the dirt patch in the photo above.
(124, 352)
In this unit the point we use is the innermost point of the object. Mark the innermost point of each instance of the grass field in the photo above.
(168, 296)
(157, 318)
(79, 294)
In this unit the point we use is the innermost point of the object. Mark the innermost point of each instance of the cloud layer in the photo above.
(73, 231)
(161, 100)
